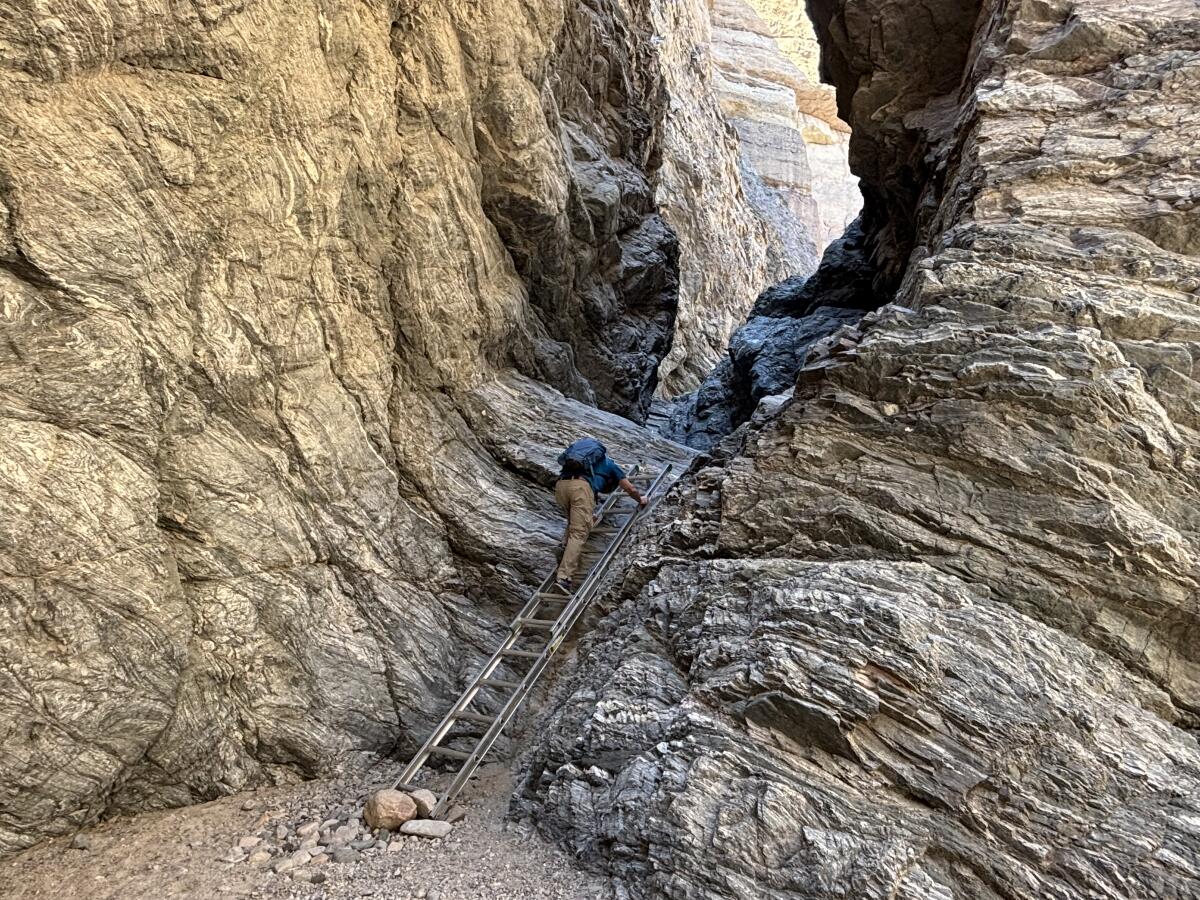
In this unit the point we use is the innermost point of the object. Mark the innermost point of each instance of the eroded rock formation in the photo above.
(269, 479)
(728, 253)
(794, 146)
(929, 628)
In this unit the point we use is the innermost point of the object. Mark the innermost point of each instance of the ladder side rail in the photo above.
(575, 611)
(489, 668)
(461, 704)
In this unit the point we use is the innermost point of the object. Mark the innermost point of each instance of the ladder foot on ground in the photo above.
(546, 620)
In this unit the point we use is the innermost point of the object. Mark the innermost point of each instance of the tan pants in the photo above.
(578, 501)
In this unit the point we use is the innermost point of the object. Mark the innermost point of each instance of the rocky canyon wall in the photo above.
(763, 203)
(269, 275)
(727, 251)
(928, 629)
(794, 146)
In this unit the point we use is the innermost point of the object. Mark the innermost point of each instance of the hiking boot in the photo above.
(564, 585)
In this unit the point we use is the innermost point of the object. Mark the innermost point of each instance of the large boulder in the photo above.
(389, 809)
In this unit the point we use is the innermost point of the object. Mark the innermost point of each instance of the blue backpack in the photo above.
(582, 457)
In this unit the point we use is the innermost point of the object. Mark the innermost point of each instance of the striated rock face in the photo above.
(789, 321)
(269, 479)
(727, 252)
(929, 628)
(794, 146)
(784, 728)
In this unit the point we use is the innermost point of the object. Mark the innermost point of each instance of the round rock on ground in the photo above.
(389, 809)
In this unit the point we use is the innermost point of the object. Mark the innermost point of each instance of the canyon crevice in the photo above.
(925, 626)
(301, 302)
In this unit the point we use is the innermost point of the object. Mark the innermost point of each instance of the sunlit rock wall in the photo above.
(268, 479)
(794, 145)
(727, 251)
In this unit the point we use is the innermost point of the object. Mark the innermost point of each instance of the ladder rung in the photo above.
(453, 754)
(619, 514)
(500, 682)
(476, 717)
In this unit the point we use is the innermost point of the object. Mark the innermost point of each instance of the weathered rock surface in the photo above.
(929, 628)
(265, 272)
(727, 251)
(764, 203)
(781, 728)
(426, 800)
(389, 809)
(794, 147)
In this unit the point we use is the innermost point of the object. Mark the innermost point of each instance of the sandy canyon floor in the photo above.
(181, 853)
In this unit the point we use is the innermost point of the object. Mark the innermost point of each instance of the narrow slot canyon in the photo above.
(301, 304)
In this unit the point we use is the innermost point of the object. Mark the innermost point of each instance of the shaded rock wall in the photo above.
(929, 628)
(265, 274)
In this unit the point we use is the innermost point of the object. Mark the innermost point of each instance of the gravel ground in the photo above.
(182, 852)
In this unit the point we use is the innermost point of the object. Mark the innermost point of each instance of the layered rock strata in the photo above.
(727, 251)
(269, 481)
(928, 629)
(794, 147)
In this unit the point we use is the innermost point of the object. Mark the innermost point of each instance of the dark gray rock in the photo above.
(844, 279)
(345, 855)
(793, 729)
(764, 357)
(765, 354)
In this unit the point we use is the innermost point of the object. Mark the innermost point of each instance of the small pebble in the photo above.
(307, 829)
(81, 842)
(249, 805)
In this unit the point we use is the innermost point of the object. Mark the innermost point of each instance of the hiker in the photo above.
(586, 472)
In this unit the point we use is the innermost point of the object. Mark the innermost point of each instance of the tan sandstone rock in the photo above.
(268, 275)
(787, 122)
(389, 809)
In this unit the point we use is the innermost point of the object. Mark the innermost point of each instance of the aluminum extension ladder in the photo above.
(545, 620)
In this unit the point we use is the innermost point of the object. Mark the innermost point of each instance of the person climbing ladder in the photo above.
(586, 472)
